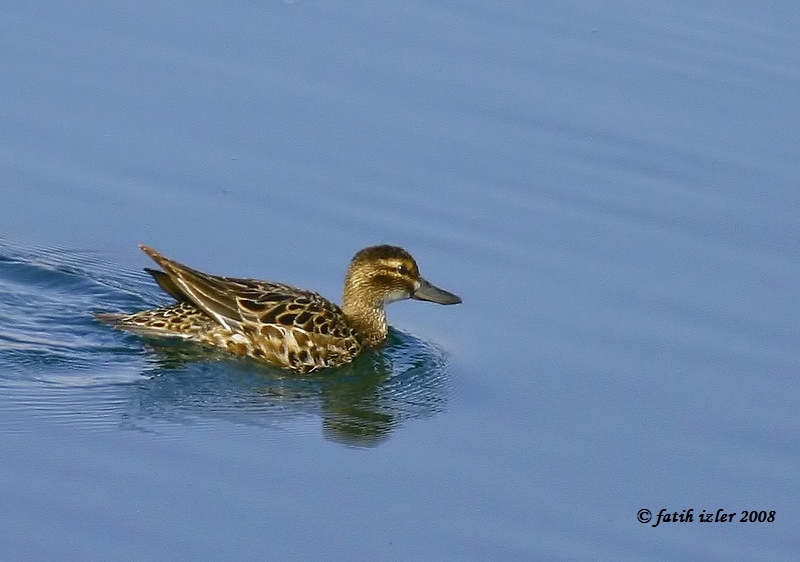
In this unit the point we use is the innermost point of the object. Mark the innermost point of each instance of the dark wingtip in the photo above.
(168, 285)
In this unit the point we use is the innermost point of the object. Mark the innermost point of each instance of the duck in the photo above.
(278, 324)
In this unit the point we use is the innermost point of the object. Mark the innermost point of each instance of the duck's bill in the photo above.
(428, 292)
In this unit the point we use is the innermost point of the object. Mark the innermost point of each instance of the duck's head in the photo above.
(379, 275)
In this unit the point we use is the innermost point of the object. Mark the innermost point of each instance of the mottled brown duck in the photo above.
(279, 324)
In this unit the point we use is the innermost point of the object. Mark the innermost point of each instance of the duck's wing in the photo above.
(248, 305)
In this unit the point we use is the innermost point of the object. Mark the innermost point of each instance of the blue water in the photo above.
(612, 190)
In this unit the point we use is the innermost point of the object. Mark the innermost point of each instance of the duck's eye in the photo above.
(401, 269)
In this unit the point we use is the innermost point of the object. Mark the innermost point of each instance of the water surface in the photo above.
(611, 190)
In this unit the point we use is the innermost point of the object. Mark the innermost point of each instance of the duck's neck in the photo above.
(368, 318)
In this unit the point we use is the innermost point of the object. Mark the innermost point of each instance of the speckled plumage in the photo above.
(282, 325)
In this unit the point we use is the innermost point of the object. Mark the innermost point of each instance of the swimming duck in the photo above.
(279, 324)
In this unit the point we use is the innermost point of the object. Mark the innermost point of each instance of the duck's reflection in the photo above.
(360, 404)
